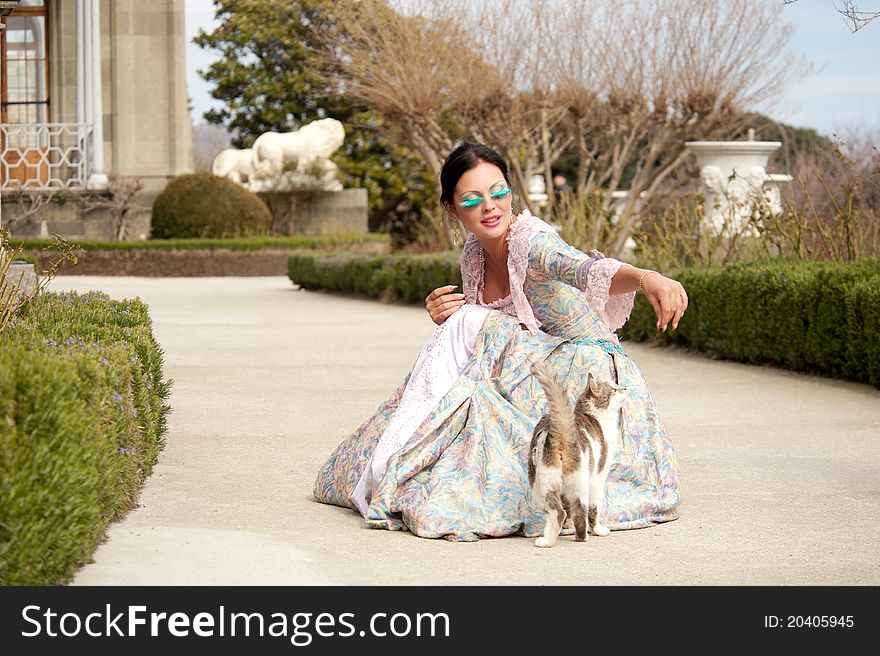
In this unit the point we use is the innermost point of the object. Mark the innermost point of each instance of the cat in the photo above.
(572, 450)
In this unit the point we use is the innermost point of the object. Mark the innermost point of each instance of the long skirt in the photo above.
(446, 455)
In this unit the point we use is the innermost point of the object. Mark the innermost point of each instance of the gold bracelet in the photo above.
(642, 278)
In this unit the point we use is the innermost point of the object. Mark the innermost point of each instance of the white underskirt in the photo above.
(438, 366)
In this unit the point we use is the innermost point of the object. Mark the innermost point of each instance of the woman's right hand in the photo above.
(442, 302)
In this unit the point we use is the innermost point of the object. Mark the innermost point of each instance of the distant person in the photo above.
(560, 186)
(560, 182)
(447, 454)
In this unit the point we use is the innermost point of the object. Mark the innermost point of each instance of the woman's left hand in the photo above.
(667, 297)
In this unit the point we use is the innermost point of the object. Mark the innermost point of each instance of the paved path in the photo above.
(779, 470)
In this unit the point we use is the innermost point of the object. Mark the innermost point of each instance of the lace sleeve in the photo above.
(550, 258)
(613, 308)
(471, 270)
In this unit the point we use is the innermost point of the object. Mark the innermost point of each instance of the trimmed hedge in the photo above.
(205, 205)
(82, 420)
(318, 242)
(408, 278)
(247, 256)
(821, 317)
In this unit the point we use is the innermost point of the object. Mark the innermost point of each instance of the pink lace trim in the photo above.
(471, 262)
(519, 241)
(613, 309)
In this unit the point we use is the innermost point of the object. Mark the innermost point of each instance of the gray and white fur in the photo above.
(573, 447)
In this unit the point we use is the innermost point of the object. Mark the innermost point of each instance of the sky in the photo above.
(842, 94)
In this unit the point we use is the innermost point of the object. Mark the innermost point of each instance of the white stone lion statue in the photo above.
(237, 165)
(298, 159)
(286, 161)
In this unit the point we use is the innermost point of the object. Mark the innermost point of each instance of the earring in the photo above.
(451, 227)
(456, 236)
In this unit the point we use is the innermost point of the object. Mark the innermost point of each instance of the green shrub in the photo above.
(408, 278)
(82, 420)
(336, 241)
(208, 206)
(821, 317)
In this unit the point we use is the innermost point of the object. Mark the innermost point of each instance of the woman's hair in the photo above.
(462, 159)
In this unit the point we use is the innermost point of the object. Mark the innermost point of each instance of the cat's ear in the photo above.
(591, 384)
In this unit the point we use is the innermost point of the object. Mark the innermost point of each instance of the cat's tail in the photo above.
(561, 411)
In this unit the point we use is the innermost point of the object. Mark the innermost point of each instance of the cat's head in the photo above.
(600, 397)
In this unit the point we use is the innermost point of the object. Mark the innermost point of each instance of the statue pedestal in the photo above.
(317, 212)
(26, 273)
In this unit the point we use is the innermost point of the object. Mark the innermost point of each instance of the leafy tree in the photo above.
(270, 78)
(266, 75)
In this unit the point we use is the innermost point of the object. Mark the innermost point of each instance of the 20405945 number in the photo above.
(810, 621)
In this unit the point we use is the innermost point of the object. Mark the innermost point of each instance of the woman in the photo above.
(446, 455)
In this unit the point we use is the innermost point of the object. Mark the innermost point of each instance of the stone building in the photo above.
(90, 88)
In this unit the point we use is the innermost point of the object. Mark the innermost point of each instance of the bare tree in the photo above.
(119, 198)
(30, 202)
(655, 76)
(859, 143)
(403, 65)
(854, 17)
(623, 83)
(516, 109)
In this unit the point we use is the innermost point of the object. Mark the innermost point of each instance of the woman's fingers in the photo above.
(673, 307)
(446, 300)
(682, 306)
(677, 316)
(443, 305)
(666, 310)
(440, 291)
(452, 303)
(440, 317)
(655, 303)
(665, 307)
(669, 301)
(439, 300)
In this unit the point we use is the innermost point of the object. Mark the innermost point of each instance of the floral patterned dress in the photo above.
(462, 474)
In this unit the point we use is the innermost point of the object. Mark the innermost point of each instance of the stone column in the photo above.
(80, 63)
(81, 132)
(98, 179)
(84, 85)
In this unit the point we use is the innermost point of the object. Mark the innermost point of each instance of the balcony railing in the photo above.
(45, 155)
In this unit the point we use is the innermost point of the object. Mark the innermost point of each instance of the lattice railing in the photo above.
(44, 155)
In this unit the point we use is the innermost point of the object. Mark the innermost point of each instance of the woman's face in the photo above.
(482, 201)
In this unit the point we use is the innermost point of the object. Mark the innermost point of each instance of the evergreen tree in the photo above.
(269, 78)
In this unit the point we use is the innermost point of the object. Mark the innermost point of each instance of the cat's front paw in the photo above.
(544, 542)
(601, 531)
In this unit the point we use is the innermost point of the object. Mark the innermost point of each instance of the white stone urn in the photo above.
(735, 180)
(538, 191)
